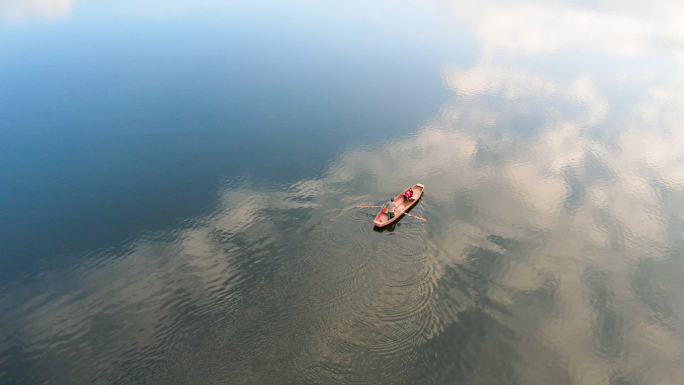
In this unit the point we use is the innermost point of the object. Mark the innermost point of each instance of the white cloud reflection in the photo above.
(17, 10)
(617, 219)
(582, 190)
(531, 28)
(618, 222)
(517, 186)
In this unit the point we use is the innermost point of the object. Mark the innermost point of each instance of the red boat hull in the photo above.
(402, 206)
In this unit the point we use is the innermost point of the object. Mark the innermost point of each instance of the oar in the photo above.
(369, 206)
(413, 216)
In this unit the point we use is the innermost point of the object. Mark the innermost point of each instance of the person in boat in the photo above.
(408, 195)
(390, 209)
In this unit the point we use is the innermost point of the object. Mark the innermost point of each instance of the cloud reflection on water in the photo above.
(593, 190)
(530, 28)
(17, 10)
(578, 208)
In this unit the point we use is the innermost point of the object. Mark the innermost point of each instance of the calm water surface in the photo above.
(179, 182)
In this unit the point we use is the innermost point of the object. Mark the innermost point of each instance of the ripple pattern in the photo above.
(383, 303)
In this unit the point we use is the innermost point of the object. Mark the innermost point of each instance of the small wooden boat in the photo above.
(403, 205)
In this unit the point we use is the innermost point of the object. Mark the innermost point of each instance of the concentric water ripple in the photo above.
(324, 256)
(398, 304)
(367, 214)
(343, 232)
(403, 246)
(394, 311)
(402, 274)
(369, 334)
(343, 293)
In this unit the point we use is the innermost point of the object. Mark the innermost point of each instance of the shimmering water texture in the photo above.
(552, 251)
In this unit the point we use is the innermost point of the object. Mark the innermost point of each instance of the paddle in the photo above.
(369, 206)
(413, 216)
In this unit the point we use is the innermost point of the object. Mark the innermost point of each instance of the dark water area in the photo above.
(180, 182)
(145, 139)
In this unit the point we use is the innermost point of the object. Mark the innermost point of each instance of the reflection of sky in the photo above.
(588, 180)
(125, 108)
(18, 10)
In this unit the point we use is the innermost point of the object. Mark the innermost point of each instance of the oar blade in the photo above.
(419, 218)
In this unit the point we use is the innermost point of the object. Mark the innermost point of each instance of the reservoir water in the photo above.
(179, 183)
